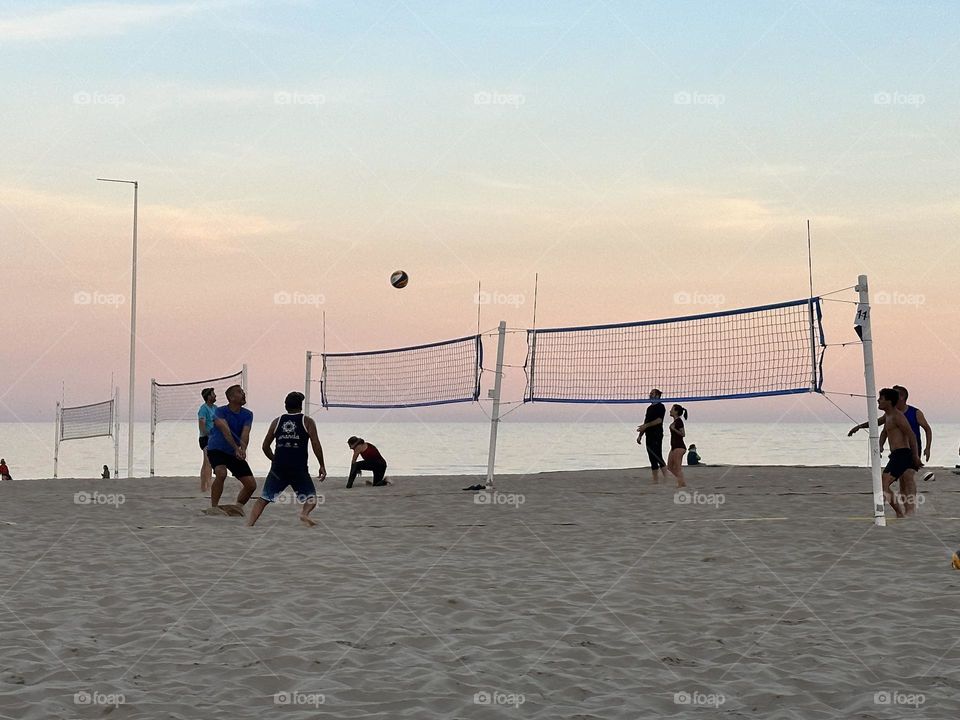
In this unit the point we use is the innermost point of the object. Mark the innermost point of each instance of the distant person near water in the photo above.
(292, 431)
(4, 470)
(677, 445)
(205, 419)
(904, 454)
(917, 420)
(105, 475)
(693, 457)
(652, 431)
(372, 461)
(227, 448)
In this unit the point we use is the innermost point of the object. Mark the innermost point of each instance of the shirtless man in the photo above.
(904, 453)
(918, 422)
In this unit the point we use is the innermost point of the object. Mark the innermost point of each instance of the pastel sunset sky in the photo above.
(631, 153)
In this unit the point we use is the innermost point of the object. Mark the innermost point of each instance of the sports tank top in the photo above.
(371, 453)
(911, 413)
(291, 442)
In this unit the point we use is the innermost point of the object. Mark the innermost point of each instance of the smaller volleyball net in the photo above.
(420, 375)
(80, 422)
(751, 352)
(179, 402)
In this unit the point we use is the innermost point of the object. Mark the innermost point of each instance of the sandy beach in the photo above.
(766, 593)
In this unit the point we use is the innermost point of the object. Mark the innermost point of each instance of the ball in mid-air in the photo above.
(399, 279)
(956, 560)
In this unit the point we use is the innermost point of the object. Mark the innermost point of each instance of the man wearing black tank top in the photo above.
(291, 432)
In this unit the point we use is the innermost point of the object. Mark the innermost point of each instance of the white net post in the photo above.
(153, 422)
(306, 385)
(870, 384)
(243, 378)
(56, 442)
(116, 432)
(495, 395)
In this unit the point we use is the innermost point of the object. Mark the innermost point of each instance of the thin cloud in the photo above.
(88, 20)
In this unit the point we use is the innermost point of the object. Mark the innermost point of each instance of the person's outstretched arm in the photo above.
(865, 425)
(928, 431)
(267, 446)
(227, 433)
(317, 449)
(244, 442)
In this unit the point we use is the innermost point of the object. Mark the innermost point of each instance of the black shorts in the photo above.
(900, 461)
(655, 452)
(279, 479)
(237, 467)
(204, 439)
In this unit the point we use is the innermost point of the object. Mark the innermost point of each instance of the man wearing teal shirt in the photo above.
(205, 416)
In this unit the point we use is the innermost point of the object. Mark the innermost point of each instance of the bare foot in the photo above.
(233, 510)
(307, 521)
(214, 510)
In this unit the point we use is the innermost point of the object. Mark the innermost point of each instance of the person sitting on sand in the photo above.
(677, 445)
(4, 470)
(288, 463)
(693, 457)
(105, 475)
(372, 461)
(904, 452)
(227, 448)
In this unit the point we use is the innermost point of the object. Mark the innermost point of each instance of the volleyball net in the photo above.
(751, 352)
(420, 375)
(177, 402)
(87, 421)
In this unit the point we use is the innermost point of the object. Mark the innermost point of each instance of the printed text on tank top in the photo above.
(291, 441)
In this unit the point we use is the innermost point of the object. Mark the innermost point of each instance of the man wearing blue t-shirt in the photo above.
(227, 447)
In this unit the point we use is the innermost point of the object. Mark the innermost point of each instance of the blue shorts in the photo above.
(279, 479)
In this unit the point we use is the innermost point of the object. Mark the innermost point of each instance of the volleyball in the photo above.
(956, 560)
(399, 279)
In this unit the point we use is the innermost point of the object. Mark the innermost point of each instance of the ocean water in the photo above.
(461, 448)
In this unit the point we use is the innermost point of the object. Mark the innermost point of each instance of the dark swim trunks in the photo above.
(279, 479)
(900, 461)
(204, 439)
(237, 467)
